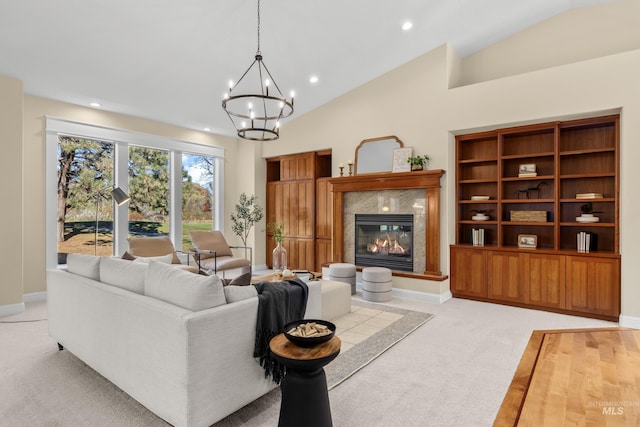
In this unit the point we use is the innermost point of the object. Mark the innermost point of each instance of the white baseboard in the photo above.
(35, 296)
(422, 296)
(9, 309)
(629, 321)
(260, 267)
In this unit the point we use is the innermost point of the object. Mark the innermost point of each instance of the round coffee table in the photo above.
(305, 400)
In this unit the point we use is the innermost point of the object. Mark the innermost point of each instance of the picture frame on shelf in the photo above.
(527, 241)
(527, 170)
(400, 157)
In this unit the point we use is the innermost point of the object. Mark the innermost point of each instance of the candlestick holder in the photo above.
(350, 169)
(341, 170)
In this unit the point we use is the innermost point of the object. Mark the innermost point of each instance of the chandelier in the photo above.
(255, 103)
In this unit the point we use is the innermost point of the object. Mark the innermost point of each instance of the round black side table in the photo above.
(305, 400)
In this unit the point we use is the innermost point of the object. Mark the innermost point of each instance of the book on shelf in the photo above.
(589, 196)
(527, 174)
(477, 236)
(587, 241)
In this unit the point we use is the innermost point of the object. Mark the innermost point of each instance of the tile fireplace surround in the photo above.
(386, 202)
(416, 193)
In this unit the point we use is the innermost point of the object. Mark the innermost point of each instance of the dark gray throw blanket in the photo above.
(278, 304)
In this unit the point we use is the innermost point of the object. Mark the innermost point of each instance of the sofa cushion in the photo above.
(123, 274)
(84, 265)
(235, 293)
(179, 287)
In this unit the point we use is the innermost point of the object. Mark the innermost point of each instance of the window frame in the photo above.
(122, 139)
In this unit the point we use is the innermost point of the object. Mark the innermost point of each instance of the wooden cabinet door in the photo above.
(593, 285)
(289, 208)
(305, 166)
(324, 253)
(468, 272)
(300, 254)
(505, 278)
(304, 213)
(324, 208)
(545, 280)
(274, 202)
(288, 168)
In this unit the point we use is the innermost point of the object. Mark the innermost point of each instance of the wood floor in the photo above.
(577, 377)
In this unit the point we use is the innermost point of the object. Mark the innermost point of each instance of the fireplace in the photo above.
(384, 240)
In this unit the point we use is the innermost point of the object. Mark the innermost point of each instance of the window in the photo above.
(174, 187)
(149, 192)
(198, 195)
(84, 221)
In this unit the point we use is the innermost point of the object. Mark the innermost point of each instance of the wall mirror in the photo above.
(376, 155)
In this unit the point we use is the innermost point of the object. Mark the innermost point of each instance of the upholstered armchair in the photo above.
(212, 253)
(150, 247)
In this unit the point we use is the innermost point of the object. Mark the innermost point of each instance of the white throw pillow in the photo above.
(123, 274)
(235, 293)
(182, 288)
(165, 259)
(84, 265)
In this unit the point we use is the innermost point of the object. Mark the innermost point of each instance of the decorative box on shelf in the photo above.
(529, 216)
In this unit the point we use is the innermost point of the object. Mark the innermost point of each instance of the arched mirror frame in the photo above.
(364, 153)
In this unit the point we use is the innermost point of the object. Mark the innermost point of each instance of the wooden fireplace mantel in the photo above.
(428, 180)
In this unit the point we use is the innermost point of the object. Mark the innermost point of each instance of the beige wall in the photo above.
(11, 164)
(414, 103)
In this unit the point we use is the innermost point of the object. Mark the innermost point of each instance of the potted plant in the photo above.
(419, 163)
(245, 216)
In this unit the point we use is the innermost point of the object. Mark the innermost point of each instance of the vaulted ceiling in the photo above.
(171, 61)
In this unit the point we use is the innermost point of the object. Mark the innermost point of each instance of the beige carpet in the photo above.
(454, 371)
(58, 384)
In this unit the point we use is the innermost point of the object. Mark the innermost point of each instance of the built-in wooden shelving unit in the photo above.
(569, 158)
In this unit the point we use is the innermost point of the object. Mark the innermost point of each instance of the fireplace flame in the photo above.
(386, 245)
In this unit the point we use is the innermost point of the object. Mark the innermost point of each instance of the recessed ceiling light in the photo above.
(95, 104)
(207, 129)
(407, 26)
(313, 79)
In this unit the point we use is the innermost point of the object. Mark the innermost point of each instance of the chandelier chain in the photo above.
(258, 27)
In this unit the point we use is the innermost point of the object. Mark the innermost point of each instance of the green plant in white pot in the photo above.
(419, 163)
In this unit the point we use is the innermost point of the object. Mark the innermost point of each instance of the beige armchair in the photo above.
(212, 253)
(154, 247)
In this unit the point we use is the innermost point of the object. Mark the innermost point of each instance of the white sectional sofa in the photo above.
(189, 364)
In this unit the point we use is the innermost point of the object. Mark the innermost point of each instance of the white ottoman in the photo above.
(343, 272)
(336, 299)
(376, 284)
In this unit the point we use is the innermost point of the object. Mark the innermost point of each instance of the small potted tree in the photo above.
(246, 214)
